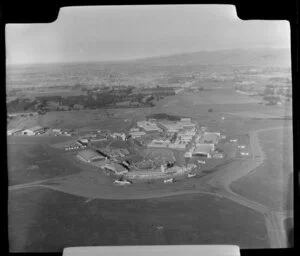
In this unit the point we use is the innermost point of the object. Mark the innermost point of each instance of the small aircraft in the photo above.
(122, 181)
(171, 180)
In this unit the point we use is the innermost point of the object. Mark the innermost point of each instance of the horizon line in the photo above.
(142, 58)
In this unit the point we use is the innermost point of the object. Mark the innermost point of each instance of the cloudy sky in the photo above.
(130, 32)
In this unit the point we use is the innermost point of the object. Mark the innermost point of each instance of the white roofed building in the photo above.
(33, 131)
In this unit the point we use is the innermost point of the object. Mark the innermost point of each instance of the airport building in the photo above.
(137, 134)
(210, 138)
(115, 168)
(97, 139)
(134, 129)
(185, 119)
(186, 124)
(204, 150)
(190, 132)
(176, 145)
(90, 156)
(159, 143)
(33, 131)
(170, 127)
(186, 138)
(14, 132)
(148, 126)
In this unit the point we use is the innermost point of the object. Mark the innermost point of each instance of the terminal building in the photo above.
(90, 156)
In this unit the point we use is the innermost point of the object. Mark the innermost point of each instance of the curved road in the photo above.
(219, 182)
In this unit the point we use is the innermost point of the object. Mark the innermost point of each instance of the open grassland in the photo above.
(271, 182)
(212, 97)
(220, 102)
(67, 220)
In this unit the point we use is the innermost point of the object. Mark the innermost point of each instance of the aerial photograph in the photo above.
(149, 125)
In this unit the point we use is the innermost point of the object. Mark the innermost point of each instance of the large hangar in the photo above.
(90, 156)
(204, 150)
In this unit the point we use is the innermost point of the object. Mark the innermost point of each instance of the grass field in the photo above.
(270, 183)
(32, 159)
(52, 220)
(221, 101)
(112, 119)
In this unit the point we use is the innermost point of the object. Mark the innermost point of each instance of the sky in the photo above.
(109, 33)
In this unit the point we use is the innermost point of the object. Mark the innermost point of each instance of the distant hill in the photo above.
(258, 56)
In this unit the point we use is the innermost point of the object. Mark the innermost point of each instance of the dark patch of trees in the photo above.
(164, 116)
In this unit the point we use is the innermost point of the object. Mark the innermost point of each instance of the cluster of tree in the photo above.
(272, 99)
(20, 105)
(92, 101)
(164, 116)
(277, 90)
